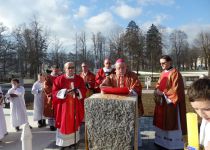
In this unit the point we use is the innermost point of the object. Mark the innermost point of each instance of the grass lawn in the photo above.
(147, 100)
(149, 104)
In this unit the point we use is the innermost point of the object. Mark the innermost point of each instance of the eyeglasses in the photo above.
(163, 63)
(70, 67)
(107, 63)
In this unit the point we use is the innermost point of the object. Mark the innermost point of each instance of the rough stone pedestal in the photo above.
(111, 122)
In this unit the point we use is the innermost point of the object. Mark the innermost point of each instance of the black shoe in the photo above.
(17, 129)
(62, 148)
(6, 134)
(73, 145)
(52, 128)
(30, 127)
(44, 123)
(39, 123)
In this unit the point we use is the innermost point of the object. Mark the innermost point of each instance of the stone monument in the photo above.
(111, 122)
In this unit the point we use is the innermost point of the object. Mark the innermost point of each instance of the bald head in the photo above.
(120, 68)
(68, 64)
(69, 68)
(83, 64)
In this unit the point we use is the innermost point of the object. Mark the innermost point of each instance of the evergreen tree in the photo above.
(153, 47)
(134, 45)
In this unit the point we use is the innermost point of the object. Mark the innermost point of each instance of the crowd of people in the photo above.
(59, 101)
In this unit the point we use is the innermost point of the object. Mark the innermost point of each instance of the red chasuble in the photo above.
(129, 80)
(166, 115)
(65, 108)
(47, 94)
(159, 110)
(89, 80)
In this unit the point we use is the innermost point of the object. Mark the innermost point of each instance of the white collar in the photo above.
(107, 69)
(168, 69)
(69, 77)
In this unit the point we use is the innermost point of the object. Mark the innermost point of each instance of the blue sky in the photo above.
(66, 17)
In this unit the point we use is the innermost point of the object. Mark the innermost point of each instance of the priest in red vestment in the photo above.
(89, 79)
(68, 92)
(170, 108)
(47, 95)
(125, 78)
(102, 73)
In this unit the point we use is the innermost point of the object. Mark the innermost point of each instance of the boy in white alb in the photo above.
(15, 96)
(199, 97)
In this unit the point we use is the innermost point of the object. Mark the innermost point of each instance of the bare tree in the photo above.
(76, 53)
(203, 41)
(83, 46)
(31, 44)
(184, 59)
(3, 49)
(98, 48)
(178, 42)
(22, 49)
(194, 54)
(117, 44)
(7, 54)
(40, 40)
(57, 53)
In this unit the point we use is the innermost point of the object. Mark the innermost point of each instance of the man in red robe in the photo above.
(47, 95)
(102, 73)
(170, 108)
(68, 92)
(89, 79)
(125, 78)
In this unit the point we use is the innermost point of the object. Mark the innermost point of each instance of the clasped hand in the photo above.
(71, 91)
(132, 93)
(158, 92)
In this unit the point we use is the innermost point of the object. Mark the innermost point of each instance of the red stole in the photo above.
(121, 82)
(159, 109)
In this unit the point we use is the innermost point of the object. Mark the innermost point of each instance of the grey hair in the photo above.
(67, 63)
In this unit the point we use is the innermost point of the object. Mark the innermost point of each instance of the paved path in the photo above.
(147, 134)
(43, 138)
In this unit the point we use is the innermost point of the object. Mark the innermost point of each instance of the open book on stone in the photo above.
(111, 122)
